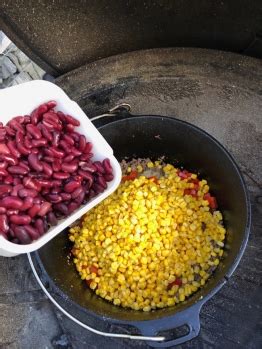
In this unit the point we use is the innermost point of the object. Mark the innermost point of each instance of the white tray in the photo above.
(21, 100)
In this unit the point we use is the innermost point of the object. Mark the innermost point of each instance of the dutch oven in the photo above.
(183, 145)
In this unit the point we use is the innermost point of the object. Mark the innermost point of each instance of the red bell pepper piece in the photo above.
(177, 282)
(211, 201)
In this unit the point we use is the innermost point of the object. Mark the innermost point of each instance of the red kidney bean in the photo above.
(51, 117)
(39, 142)
(82, 143)
(75, 136)
(57, 165)
(31, 183)
(99, 167)
(4, 227)
(87, 176)
(69, 139)
(23, 164)
(4, 149)
(33, 211)
(98, 188)
(45, 191)
(47, 169)
(9, 179)
(27, 119)
(56, 190)
(23, 193)
(10, 159)
(108, 177)
(85, 157)
(71, 186)
(87, 166)
(3, 172)
(5, 189)
(52, 220)
(17, 170)
(12, 202)
(61, 175)
(16, 189)
(107, 166)
(56, 138)
(80, 197)
(12, 147)
(72, 207)
(34, 131)
(45, 132)
(10, 131)
(49, 126)
(78, 178)
(12, 212)
(66, 147)
(22, 149)
(88, 148)
(69, 167)
(19, 137)
(27, 142)
(16, 126)
(3, 165)
(39, 226)
(44, 183)
(37, 200)
(71, 120)
(75, 152)
(45, 207)
(54, 198)
(61, 116)
(20, 219)
(68, 158)
(35, 163)
(37, 113)
(77, 192)
(2, 210)
(33, 233)
(22, 235)
(49, 159)
(65, 196)
(28, 203)
(51, 104)
(17, 180)
(101, 181)
(61, 208)
(69, 128)
(57, 153)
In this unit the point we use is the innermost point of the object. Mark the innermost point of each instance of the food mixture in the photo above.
(154, 241)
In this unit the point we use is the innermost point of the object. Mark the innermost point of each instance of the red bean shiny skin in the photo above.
(30, 183)
(52, 220)
(71, 120)
(101, 181)
(20, 219)
(17, 170)
(99, 167)
(75, 152)
(24, 165)
(72, 207)
(28, 203)
(107, 166)
(77, 192)
(8, 179)
(69, 167)
(80, 198)
(46, 133)
(69, 158)
(71, 186)
(41, 142)
(85, 157)
(61, 208)
(47, 169)
(23, 193)
(82, 143)
(4, 226)
(33, 211)
(61, 116)
(35, 163)
(3, 172)
(22, 149)
(57, 165)
(57, 153)
(87, 176)
(32, 232)
(49, 159)
(54, 198)
(34, 131)
(65, 196)
(108, 177)
(13, 149)
(16, 189)
(22, 235)
(12, 202)
(88, 148)
(11, 212)
(87, 166)
(10, 131)
(10, 159)
(61, 175)
(39, 226)
(3, 165)
(5, 189)
(45, 207)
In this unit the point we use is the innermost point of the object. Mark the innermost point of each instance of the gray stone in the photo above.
(23, 59)
(15, 60)
(20, 78)
(8, 67)
(34, 71)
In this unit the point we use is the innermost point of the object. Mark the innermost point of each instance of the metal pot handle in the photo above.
(123, 107)
(189, 318)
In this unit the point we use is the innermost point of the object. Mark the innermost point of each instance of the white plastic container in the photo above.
(21, 100)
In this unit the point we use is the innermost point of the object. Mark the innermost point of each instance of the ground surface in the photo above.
(220, 93)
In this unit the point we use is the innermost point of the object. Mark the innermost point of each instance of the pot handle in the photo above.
(189, 318)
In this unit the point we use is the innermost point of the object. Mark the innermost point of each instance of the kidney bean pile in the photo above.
(46, 172)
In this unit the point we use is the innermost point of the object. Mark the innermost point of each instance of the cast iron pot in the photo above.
(183, 145)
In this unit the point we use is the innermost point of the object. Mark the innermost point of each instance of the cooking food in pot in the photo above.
(153, 242)
(46, 172)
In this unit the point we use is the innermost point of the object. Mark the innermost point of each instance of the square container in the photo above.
(23, 99)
